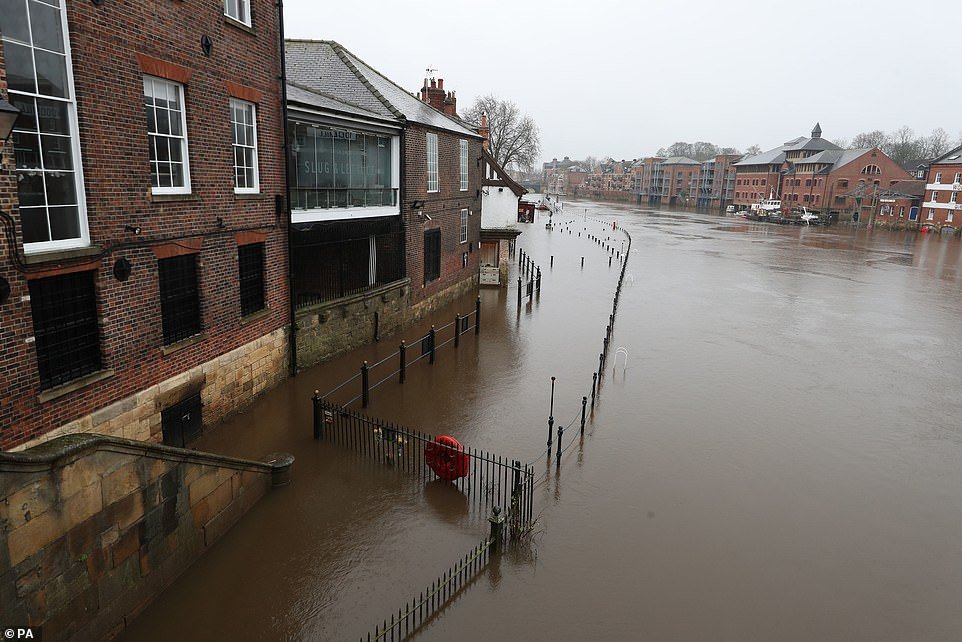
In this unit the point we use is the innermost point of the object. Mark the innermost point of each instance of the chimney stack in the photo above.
(434, 95)
(484, 130)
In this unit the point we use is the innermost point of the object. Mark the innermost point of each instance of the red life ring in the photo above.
(446, 457)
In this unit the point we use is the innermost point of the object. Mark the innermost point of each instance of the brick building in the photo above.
(679, 180)
(144, 255)
(818, 175)
(943, 185)
(716, 182)
(386, 200)
(898, 205)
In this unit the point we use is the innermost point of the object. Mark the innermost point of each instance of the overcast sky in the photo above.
(621, 79)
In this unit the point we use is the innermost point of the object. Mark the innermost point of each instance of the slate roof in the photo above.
(771, 157)
(834, 157)
(302, 96)
(680, 160)
(327, 68)
(952, 157)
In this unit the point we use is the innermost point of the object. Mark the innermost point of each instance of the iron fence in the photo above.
(491, 480)
(436, 597)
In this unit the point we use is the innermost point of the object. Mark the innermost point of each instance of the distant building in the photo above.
(943, 185)
(818, 175)
(899, 204)
(716, 182)
(679, 181)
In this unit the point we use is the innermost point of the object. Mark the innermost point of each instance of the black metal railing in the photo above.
(336, 259)
(427, 347)
(491, 480)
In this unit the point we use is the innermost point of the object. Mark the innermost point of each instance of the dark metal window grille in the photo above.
(432, 255)
(250, 260)
(179, 297)
(334, 259)
(65, 327)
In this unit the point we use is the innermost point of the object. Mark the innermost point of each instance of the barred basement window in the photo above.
(179, 297)
(250, 260)
(65, 327)
(432, 255)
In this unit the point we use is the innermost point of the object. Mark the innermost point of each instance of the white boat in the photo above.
(808, 217)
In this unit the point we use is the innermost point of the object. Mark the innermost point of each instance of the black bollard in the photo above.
(433, 335)
(551, 413)
(365, 388)
(519, 291)
(582, 261)
(561, 432)
(609, 261)
(457, 330)
(584, 405)
(477, 316)
(316, 399)
(402, 353)
(552, 261)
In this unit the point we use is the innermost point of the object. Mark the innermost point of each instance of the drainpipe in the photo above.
(292, 338)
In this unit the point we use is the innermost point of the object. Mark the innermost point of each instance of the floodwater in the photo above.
(781, 458)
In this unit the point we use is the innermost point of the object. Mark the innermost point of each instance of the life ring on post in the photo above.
(446, 457)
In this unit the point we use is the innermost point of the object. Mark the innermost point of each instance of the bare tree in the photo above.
(752, 150)
(876, 138)
(590, 163)
(937, 143)
(514, 138)
(841, 142)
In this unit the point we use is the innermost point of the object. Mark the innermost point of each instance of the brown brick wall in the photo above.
(443, 207)
(108, 80)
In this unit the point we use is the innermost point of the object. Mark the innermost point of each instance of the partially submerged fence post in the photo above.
(551, 415)
(432, 334)
(584, 405)
(316, 399)
(497, 526)
(365, 388)
(594, 383)
(561, 432)
(539, 280)
(402, 352)
(519, 290)
(457, 330)
(477, 316)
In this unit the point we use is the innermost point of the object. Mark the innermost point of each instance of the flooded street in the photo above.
(781, 458)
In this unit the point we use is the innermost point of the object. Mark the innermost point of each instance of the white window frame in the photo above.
(185, 146)
(71, 100)
(242, 8)
(256, 188)
(464, 226)
(958, 177)
(931, 215)
(434, 183)
(935, 196)
(948, 216)
(464, 165)
(938, 177)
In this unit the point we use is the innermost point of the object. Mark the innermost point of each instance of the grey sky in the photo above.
(622, 79)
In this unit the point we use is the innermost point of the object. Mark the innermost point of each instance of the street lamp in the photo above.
(8, 117)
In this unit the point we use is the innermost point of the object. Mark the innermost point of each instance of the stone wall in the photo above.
(93, 528)
(328, 329)
(226, 384)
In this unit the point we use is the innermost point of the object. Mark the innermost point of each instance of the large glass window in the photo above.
(167, 136)
(341, 168)
(432, 144)
(464, 165)
(244, 126)
(45, 141)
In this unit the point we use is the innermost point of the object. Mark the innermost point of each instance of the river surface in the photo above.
(781, 459)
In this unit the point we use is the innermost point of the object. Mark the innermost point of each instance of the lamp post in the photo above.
(8, 118)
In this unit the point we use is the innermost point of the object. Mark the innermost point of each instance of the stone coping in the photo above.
(62, 451)
(354, 298)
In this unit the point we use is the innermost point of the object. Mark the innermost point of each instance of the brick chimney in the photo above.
(484, 130)
(433, 94)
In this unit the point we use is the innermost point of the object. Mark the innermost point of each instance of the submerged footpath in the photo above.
(348, 539)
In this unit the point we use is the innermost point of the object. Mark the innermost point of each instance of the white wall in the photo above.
(499, 208)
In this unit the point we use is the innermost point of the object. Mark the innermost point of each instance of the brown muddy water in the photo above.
(780, 460)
